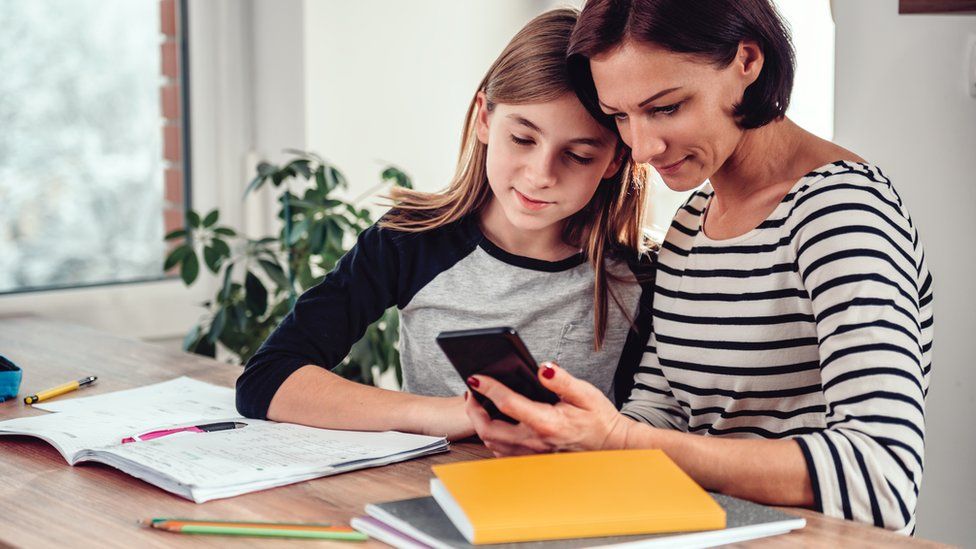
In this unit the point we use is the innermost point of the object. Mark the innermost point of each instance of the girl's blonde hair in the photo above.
(532, 69)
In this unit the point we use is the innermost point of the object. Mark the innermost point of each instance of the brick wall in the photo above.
(171, 108)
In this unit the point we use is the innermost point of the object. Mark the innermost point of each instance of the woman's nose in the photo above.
(645, 144)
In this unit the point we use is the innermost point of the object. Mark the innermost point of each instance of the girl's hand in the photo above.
(584, 419)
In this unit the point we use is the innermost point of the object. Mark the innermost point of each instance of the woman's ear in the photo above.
(482, 117)
(749, 61)
(618, 159)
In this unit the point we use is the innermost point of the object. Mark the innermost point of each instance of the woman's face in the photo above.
(545, 160)
(675, 111)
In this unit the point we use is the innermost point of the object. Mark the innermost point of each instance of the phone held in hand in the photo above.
(498, 353)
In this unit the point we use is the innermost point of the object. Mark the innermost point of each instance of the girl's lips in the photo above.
(529, 204)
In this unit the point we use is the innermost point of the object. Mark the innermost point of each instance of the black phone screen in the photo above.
(498, 353)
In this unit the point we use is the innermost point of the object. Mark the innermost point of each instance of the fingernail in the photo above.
(547, 370)
(473, 382)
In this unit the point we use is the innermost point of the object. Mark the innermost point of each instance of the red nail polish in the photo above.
(473, 381)
(548, 372)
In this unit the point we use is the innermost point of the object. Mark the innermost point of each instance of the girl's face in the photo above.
(545, 160)
(675, 111)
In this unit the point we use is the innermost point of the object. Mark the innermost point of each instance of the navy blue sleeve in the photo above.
(326, 320)
(623, 379)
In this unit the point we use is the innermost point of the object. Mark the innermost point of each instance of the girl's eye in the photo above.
(521, 141)
(619, 116)
(667, 110)
(584, 160)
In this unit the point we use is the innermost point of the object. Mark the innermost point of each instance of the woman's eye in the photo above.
(619, 117)
(584, 160)
(521, 141)
(666, 110)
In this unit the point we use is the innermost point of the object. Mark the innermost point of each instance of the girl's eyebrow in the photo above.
(657, 95)
(591, 141)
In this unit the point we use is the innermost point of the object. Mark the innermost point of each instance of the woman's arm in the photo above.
(767, 471)
(317, 397)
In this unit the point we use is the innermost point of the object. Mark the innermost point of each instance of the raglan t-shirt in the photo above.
(454, 278)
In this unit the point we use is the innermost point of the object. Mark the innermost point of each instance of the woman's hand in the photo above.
(584, 419)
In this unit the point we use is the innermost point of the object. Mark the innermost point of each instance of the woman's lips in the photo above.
(531, 204)
(671, 169)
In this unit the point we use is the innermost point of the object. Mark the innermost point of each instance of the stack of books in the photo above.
(585, 499)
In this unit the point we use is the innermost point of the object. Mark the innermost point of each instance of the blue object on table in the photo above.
(10, 376)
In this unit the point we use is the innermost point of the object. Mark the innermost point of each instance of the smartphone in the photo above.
(498, 353)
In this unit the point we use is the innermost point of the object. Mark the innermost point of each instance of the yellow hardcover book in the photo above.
(572, 495)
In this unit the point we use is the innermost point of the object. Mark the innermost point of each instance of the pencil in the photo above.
(175, 522)
(59, 390)
(265, 532)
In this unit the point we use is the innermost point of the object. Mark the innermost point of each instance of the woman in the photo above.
(539, 229)
(792, 320)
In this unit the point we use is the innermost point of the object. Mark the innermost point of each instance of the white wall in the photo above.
(901, 103)
(389, 82)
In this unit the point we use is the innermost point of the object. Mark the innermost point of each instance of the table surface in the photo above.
(44, 501)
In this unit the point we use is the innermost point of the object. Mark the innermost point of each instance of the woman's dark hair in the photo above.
(711, 29)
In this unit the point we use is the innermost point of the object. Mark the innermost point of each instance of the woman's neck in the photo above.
(545, 244)
(762, 158)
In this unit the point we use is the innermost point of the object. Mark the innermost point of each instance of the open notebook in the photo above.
(206, 466)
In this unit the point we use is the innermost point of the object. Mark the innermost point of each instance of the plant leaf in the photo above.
(212, 258)
(257, 295)
(178, 233)
(190, 268)
(211, 218)
(226, 231)
(275, 272)
(220, 247)
(176, 256)
(217, 327)
(193, 218)
(191, 338)
(226, 286)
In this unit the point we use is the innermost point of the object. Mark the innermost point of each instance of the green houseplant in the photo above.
(260, 278)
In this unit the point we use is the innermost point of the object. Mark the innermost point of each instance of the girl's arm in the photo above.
(289, 378)
(317, 397)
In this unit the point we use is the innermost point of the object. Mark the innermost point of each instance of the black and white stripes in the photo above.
(817, 325)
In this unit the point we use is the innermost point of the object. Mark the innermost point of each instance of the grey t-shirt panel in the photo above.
(552, 311)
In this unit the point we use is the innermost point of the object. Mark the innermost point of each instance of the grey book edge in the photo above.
(419, 523)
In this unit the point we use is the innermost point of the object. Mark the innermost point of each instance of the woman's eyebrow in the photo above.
(657, 95)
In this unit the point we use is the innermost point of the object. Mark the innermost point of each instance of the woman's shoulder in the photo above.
(845, 184)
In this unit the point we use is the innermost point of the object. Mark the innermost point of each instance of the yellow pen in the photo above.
(59, 390)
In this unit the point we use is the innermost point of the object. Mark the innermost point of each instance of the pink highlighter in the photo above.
(207, 428)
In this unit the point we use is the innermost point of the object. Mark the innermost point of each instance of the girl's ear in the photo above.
(481, 119)
(618, 160)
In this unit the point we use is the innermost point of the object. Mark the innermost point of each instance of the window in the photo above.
(91, 152)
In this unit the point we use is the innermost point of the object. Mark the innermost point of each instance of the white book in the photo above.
(210, 465)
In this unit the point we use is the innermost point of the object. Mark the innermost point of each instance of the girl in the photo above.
(539, 230)
(792, 321)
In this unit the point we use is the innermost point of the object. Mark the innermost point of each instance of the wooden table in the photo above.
(44, 502)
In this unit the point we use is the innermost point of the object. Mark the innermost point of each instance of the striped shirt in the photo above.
(816, 325)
